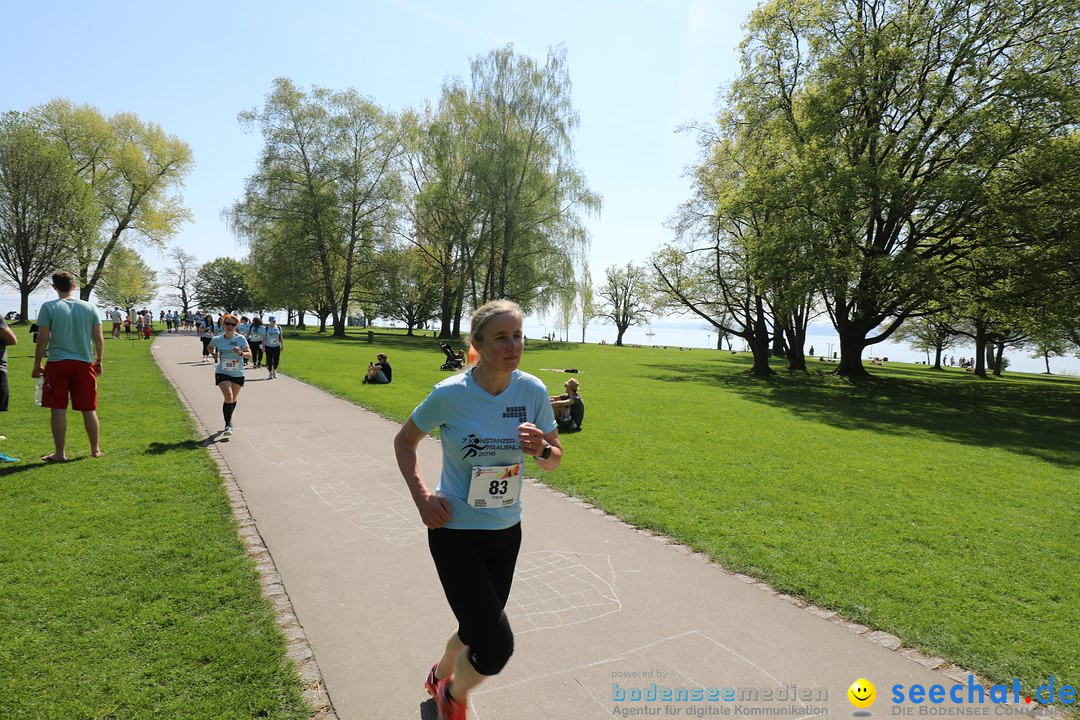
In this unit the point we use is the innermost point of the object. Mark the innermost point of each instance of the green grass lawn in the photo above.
(928, 504)
(124, 589)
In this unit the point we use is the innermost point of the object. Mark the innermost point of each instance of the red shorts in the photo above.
(70, 376)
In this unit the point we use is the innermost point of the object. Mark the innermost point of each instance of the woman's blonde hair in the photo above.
(486, 312)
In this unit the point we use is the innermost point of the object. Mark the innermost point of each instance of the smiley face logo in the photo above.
(862, 693)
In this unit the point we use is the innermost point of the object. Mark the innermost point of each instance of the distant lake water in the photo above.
(823, 338)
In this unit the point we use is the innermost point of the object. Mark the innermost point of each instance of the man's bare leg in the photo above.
(93, 431)
(58, 422)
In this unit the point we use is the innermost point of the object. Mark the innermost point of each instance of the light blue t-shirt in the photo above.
(480, 429)
(256, 333)
(229, 363)
(71, 326)
(272, 335)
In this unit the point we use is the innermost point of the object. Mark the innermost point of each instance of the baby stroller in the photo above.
(453, 361)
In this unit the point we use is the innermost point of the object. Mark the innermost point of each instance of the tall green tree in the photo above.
(586, 301)
(626, 297)
(329, 174)
(127, 280)
(931, 333)
(226, 285)
(566, 297)
(180, 278)
(531, 193)
(409, 289)
(719, 267)
(441, 184)
(897, 115)
(135, 170)
(45, 208)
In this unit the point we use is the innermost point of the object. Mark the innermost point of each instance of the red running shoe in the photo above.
(448, 707)
(431, 684)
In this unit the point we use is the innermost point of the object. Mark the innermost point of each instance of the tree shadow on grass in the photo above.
(1021, 415)
(158, 448)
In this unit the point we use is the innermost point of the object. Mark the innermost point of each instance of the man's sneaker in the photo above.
(7, 458)
(449, 708)
(431, 684)
(228, 430)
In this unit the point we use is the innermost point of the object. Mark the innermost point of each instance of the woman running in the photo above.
(473, 517)
(255, 338)
(273, 342)
(230, 350)
(206, 335)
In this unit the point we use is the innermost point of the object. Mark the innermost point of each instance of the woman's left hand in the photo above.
(531, 438)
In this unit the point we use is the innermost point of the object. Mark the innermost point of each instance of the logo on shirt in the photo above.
(516, 412)
(482, 447)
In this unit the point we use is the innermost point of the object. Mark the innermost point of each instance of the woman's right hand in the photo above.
(434, 511)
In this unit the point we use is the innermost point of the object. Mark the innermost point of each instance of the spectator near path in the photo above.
(71, 332)
(7, 337)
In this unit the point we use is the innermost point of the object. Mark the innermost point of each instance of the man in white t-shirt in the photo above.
(117, 319)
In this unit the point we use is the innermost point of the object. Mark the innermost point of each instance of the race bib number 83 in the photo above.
(495, 486)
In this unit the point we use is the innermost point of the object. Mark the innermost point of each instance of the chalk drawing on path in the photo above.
(558, 588)
(380, 509)
(689, 659)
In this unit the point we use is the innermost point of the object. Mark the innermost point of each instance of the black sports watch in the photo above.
(547, 451)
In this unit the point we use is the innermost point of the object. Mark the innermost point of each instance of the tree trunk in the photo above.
(981, 340)
(621, 329)
(760, 346)
(795, 341)
(998, 365)
(459, 302)
(1046, 357)
(937, 358)
(446, 309)
(24, 309)
(852, 344)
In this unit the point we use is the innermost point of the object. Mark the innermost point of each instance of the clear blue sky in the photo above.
(639, 69)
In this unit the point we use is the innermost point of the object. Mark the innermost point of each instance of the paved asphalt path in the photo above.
(598, 608)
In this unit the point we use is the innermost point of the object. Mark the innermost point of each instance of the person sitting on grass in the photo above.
(379, 372)
(569, 408)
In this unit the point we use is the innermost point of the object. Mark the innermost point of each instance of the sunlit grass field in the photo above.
(125, 592)
(932, 505)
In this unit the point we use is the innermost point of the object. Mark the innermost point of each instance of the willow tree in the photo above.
(442, 207)
(530, 192)
(898, 114)
(135, 170)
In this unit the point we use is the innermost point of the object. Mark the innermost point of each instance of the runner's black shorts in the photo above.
(476, 568)
(222, 377)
